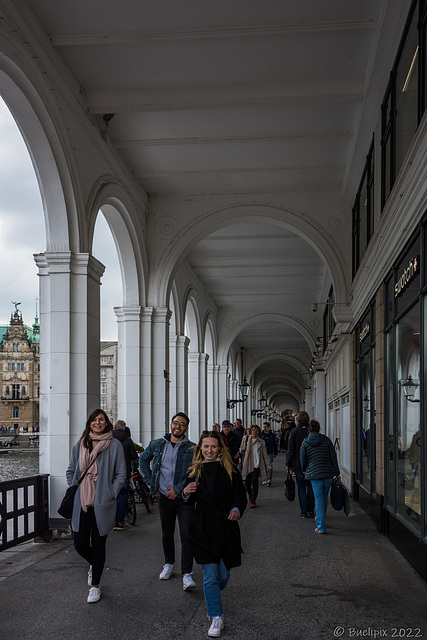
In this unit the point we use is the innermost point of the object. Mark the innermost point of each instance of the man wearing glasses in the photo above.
(170, 458)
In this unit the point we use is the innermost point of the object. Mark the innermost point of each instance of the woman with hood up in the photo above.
(319, 462)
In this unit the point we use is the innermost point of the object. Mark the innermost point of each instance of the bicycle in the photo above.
(141, 489)
(131, 504)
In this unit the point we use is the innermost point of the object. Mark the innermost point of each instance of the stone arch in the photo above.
(287, 359)
(193, 321)
(299, 223)
(234, 331)
(210, 338)
(47, 154)
(109, 197)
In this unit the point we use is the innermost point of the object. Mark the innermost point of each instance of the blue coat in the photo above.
(153, 453)
(111, 476)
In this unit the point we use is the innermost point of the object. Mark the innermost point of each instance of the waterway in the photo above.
(18, 464)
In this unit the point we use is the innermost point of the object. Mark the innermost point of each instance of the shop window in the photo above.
(408, 488)
(363, 212)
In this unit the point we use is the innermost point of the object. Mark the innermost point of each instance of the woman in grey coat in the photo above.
(95, 503)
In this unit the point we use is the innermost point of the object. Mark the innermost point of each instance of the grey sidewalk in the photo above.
(293, 584)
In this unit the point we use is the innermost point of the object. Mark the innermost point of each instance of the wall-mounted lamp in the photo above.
(367, 402)
(409, 387)
(244, 392)
(262, 404)
(315, 305)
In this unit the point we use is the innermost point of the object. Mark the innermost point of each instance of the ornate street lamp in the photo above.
(244, 392)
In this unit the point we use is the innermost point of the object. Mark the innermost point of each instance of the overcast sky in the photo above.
(22, 233)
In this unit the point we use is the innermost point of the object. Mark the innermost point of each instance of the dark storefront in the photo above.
(405, 380)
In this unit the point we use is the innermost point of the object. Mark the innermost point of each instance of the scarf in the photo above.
(248, 462)
(87, 486)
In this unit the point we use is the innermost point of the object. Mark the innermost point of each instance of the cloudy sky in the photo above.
(22, 233)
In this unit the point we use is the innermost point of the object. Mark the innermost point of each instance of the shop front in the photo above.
(405, 386)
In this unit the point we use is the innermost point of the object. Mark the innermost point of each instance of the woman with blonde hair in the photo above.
(216, 489)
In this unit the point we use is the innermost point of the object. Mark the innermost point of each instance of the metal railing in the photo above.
(24, 510)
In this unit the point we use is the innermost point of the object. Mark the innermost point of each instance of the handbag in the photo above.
(290, 487)
(337, 494)
(348, 504)
(66, 507)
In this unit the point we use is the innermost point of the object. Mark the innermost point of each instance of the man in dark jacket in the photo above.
(231, 441)
(271, 445)
(131, 458)
(305, 491)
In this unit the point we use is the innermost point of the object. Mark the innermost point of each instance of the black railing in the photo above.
(24, 510)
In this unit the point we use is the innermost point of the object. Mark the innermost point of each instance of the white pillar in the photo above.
(194, 399)
(145, 434)
(203, 410)
(160, 371)
(319, 404)
(222, 392)
(210, 395)
(181, 373)
(69, 357)
(173, 374)
(129, 367)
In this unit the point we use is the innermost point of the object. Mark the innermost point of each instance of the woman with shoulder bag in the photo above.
(256, 463)
(95, 502)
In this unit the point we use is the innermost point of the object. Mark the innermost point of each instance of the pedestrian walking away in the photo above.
(216, 490)
(305, 491)
(131, 458)
(231, 441)
(255, 463)
(164, 465)
(319, 461)
(271, 446)
(95, 502)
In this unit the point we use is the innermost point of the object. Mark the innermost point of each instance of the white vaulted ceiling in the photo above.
(229, 98)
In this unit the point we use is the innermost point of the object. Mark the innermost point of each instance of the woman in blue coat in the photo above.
(319, 462)
(216, 489)
(95, 502)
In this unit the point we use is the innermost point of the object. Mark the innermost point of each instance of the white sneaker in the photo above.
(216, 627)
(89, 576)
(94, 594)
(188, 582)
(167, 572)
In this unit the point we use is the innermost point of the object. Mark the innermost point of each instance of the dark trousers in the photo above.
(169, 511)
(305, 493)
(89, 544)
(251, 483)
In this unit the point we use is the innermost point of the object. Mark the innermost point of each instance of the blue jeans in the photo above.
(122, 499)
(215, 578)
(321, 491)
(305, 493)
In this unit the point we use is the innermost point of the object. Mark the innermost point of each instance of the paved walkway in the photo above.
(293, 584)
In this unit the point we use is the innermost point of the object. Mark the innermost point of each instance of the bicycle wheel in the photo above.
(131, 507)
(143, 495)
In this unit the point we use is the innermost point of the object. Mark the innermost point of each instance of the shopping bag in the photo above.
(290, 487)
(348, 504)
(337, 494)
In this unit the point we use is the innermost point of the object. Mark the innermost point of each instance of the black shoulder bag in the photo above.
(66, 507)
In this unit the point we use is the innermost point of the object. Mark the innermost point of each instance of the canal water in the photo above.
(18, 464)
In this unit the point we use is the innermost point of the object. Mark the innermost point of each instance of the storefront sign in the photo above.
(407, 276)
(365, 331)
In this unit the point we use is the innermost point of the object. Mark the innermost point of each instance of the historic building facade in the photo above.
(20, 374)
